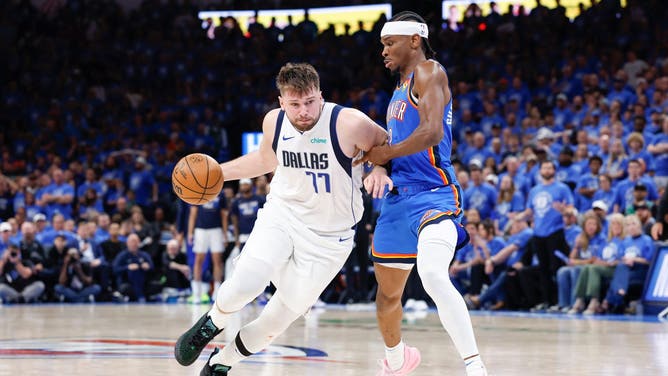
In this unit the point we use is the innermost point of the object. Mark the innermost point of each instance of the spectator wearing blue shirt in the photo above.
(567, 171)
(587, 245)
(638, 251)
(624, 191)
(143, 184)
(562, 114)
(57, 228)
(620, 92)
(571, 227)
(90, 205)
(467, 268)
(131, 268)
(592, 277)
(605, 193)
(602, 147)
(31, 207)
(509, 203)
(495, 150)
(505, 262)
(466, 125)
(546, 203)
(102, 229)
(478, 151)
(479, 195)
(582, 154)
(658, 147)
(91, 182)
(520, 182)
(490, 117)
(636, 150)
(588, 184)
(58, 196)
(616, 164)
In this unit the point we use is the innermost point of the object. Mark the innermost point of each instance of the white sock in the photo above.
(436, 248)
(395, 355)
(195, 286)
(204, 288)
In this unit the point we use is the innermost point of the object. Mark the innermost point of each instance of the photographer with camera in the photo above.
(75, 281)
(18, 283)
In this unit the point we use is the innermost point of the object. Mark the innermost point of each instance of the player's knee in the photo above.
(386, 301)
(433, 276)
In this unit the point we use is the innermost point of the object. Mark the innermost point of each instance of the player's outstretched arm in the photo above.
(431, 87)
(259, 162)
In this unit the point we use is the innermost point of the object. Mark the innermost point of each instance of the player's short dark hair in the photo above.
(300, 78)
(429, 52)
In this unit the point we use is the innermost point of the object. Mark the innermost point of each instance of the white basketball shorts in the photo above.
(208, 239)
(304, 261)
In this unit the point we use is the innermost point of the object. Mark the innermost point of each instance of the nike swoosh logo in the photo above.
(344, 239)
(435, 189)
(287, 138)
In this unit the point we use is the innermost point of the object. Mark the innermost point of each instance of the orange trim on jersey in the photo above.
(392, 255)
(457, 202)
(409, 95)
(432, 160)
(437, 216)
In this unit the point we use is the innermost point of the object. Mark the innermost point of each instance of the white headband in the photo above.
(405, 28)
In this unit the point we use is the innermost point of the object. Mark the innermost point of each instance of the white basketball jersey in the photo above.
(314, 179)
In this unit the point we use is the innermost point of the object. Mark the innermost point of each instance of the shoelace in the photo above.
(202, 336)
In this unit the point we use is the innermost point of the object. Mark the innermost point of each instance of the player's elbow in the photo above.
(434, 136)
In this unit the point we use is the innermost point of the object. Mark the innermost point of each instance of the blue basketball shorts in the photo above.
(402, 217)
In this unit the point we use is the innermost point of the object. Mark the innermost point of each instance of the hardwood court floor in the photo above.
(123, 340)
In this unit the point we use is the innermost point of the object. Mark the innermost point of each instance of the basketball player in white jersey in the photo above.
(304, 233)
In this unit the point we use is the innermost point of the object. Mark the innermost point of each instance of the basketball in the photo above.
(197, 179)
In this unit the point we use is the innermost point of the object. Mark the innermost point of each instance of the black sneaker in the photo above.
(191, 343)
(216, 369)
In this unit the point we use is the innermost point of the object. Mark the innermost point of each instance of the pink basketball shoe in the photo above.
(411, 361)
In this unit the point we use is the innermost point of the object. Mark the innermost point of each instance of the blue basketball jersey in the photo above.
(431, 167)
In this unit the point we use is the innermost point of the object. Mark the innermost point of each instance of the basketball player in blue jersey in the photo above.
(420, 218)
(207, 231)
(244, 212)
(304, 232)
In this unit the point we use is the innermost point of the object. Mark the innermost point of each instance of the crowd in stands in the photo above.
(99, 105)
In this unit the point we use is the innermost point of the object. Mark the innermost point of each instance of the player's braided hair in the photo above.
(429, 52)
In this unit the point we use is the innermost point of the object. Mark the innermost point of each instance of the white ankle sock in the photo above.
(194, 286)
(395, 356)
